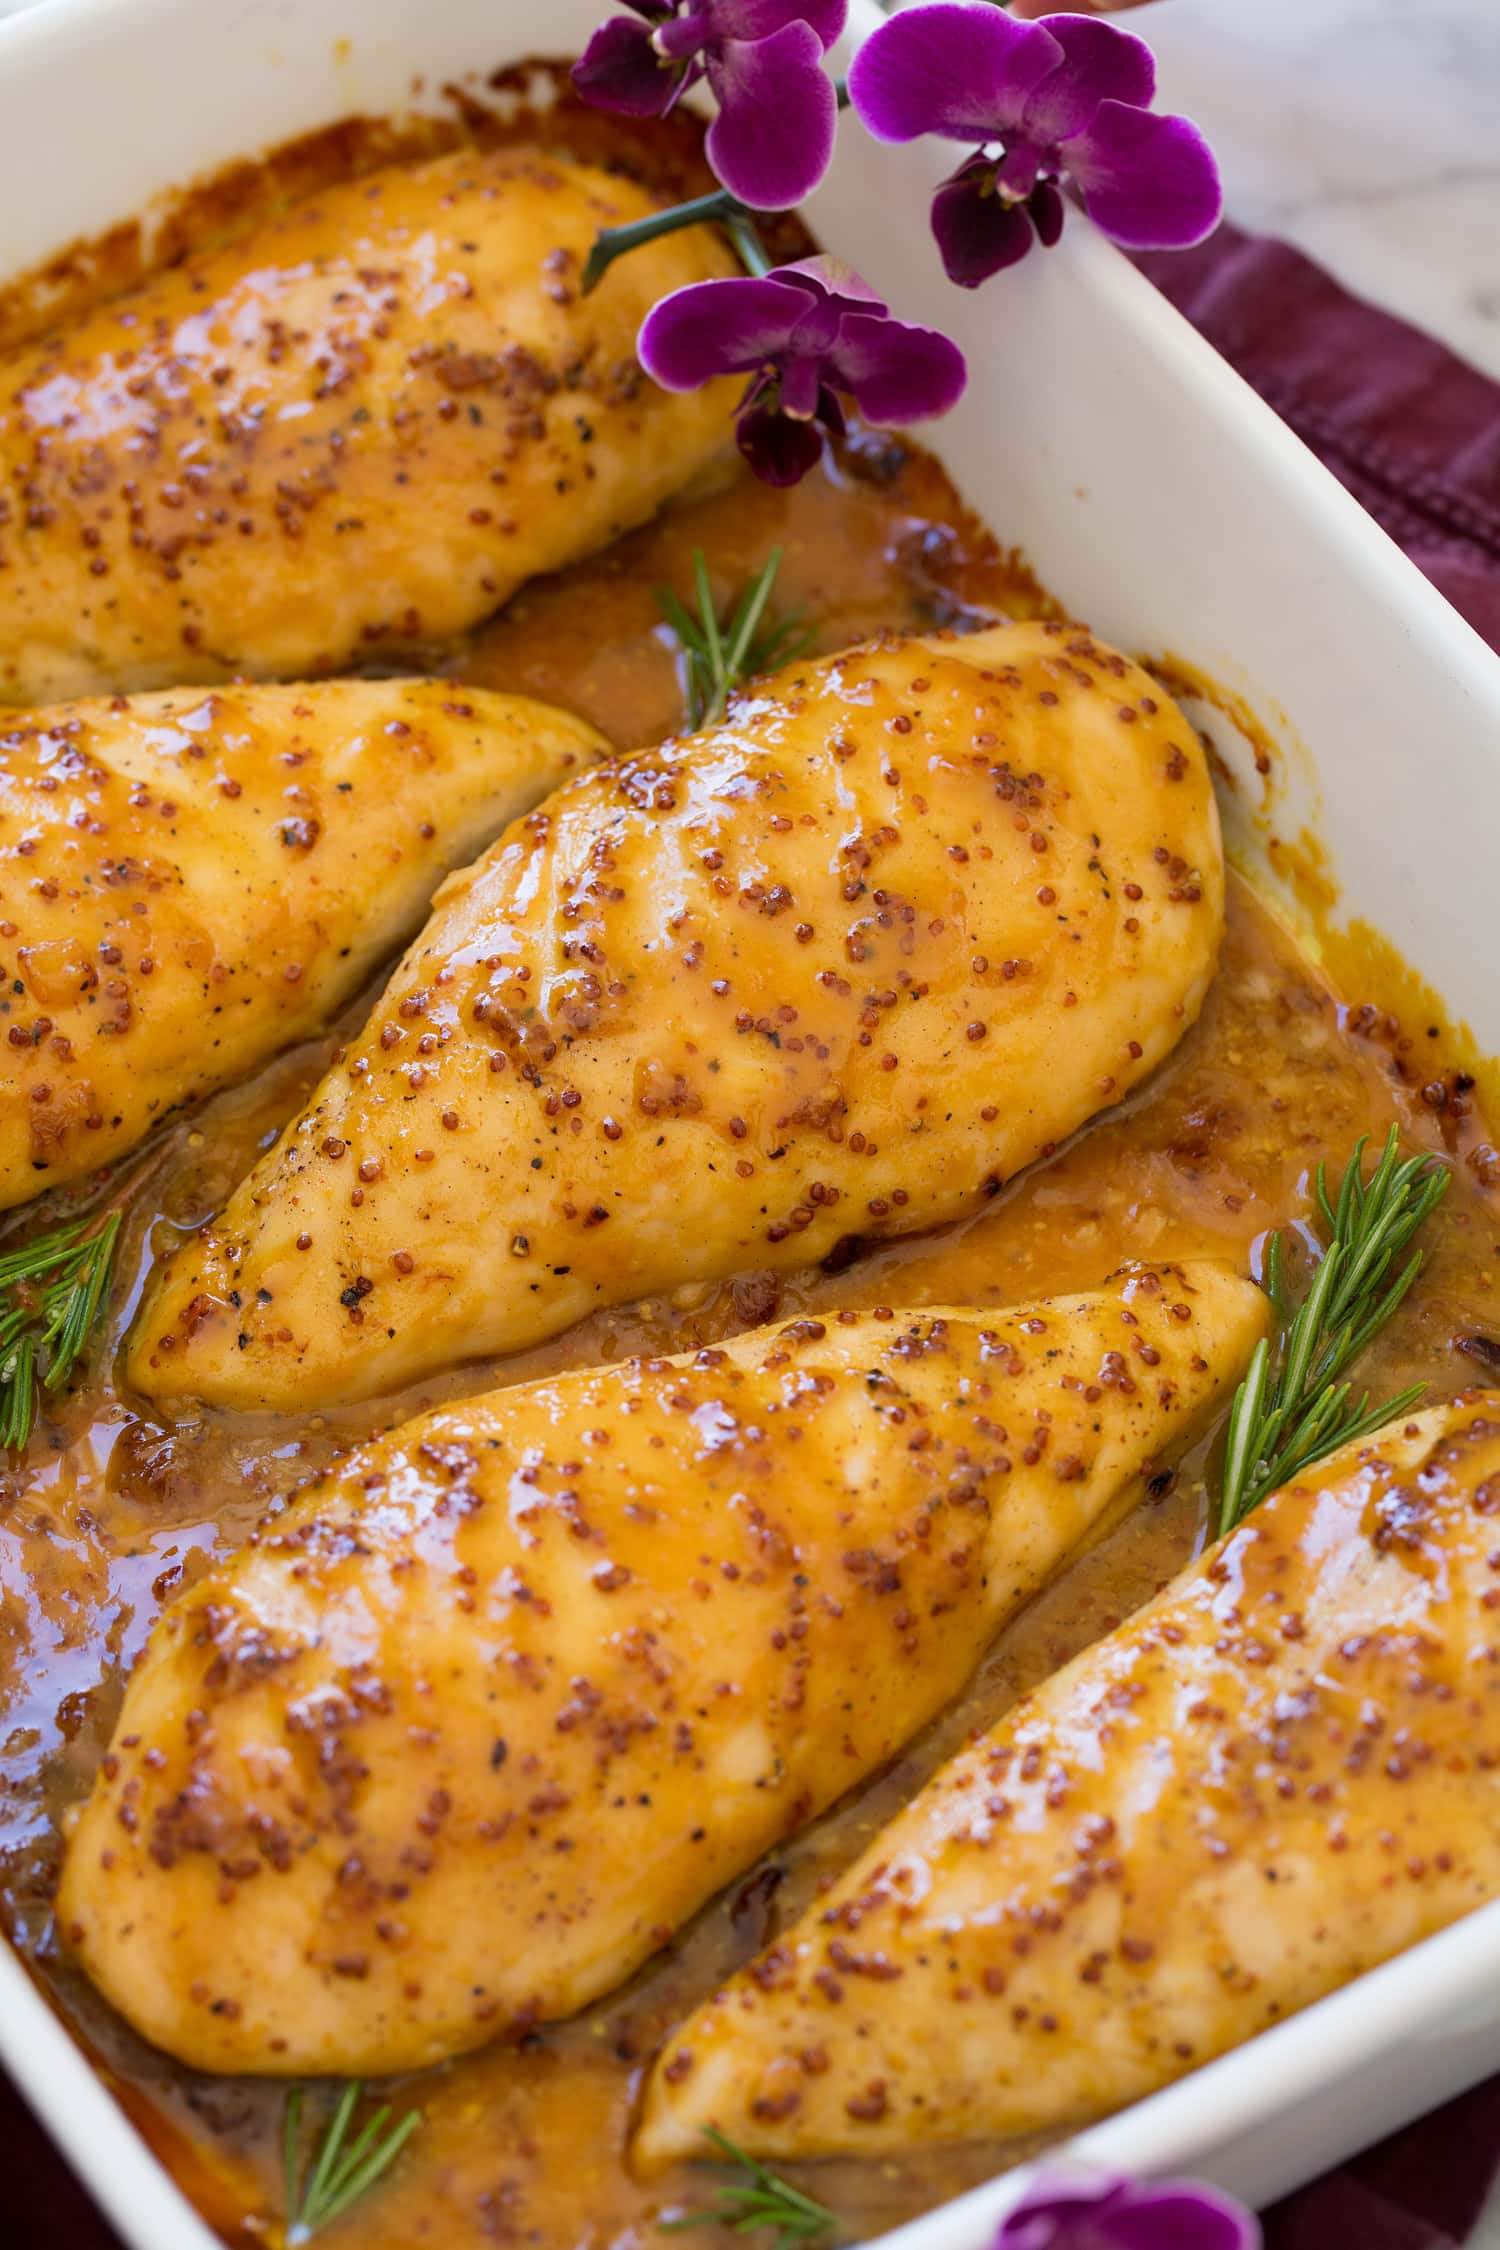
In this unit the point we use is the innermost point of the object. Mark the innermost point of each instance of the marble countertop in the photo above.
(1365, 131)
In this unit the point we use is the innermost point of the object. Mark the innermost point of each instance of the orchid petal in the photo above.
(1057, 2204)
(683, 35)
(1099, 63)
(817, 331)
(963, 70)
(772, 140)
(1149, 182)
(1071, 2211)
(978, 232)
(757, 19)
(718, 328)
(620, 70)
(1046, 207)
(1177, 2215)
(779, 450)
(801, 385)
(1016, 172)
(832, 278)
(894, 372)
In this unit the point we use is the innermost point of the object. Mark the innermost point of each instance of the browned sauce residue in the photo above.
(110, 1514)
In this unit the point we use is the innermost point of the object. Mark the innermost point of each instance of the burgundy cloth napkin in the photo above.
(1412, 430)
(1415, 435)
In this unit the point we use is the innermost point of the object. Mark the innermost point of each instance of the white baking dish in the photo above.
(1153, 492)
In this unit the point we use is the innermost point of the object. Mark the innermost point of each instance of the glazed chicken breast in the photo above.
(465, 1733)
(190, 881)
(1272, 1778)
(355, 431)
(834, 969)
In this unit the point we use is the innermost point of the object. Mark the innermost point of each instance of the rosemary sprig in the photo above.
(338, 2175)
(721, 655)
(1292, 1408)
(51, 1290)
(752, 2198)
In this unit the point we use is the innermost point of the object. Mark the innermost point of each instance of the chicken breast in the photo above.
(190, 881)
(834, 969)
(355, 431)
(1276, 1775)
(464, 1735)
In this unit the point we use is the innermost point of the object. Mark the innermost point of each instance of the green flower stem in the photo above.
(736, 220)
(745, 235)
(613, 242)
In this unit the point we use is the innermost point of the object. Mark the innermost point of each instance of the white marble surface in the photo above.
(1365, 131)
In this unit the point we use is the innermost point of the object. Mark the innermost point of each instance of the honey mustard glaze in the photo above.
(1274, 1776)
(116, 1511)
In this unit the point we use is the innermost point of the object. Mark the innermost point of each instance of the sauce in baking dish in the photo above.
(110, 1513)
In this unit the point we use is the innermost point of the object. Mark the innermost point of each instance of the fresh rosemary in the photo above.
(51, 1290)
(752, 2198)
(1292, 1407)
(338, 2175)
(721, 656)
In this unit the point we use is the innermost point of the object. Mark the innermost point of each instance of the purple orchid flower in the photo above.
(772, 139)
(803, 334)
(1064, 96)
(1080, 2211)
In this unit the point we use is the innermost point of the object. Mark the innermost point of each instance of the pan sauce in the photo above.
(110, 1512)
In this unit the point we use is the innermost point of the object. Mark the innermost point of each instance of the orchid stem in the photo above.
(749, 249)
(613, 242)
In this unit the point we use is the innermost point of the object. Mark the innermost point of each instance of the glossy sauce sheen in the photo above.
(351, 436)
(551, 1668)
(1276, 1776)
(112, 1513)
(833, 970)
(190, 882)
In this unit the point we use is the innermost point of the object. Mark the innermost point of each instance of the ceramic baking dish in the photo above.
(1154, 493)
